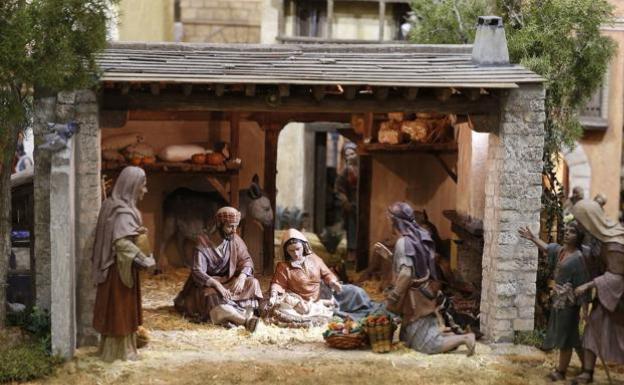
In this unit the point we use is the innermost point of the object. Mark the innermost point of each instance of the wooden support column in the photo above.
(281, 22)
(234, 141)
(271, 135)
(365, 188)
(382, 19)
(320, 180)
(330, 19)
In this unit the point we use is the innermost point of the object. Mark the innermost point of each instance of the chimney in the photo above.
(490, 45)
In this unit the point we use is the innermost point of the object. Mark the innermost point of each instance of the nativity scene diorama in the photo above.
(400, 213)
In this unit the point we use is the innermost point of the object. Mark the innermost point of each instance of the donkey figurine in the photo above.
(186, 213)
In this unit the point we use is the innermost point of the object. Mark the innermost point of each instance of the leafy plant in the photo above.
(26, 362)
(46, 46)
(37, 322)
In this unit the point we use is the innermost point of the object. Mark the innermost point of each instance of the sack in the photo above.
(118, 142)
(180, 152)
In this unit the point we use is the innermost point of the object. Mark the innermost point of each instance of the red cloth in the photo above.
(117, 311)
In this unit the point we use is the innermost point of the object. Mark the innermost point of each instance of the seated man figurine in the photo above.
(296, 296)
(221, 287)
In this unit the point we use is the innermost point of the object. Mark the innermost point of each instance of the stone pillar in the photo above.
(513, 191)
(44, 112)
(62, 250)
(87, 205)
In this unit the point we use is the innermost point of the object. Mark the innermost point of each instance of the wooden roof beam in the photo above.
(155, 88)
(250, 90)
(283, 90)
(381, 93)
(318, 92)
(187, 89)
(487, 104)
(410, 93)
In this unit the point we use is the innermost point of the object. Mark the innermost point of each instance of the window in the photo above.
(311, 18)
(594, 116)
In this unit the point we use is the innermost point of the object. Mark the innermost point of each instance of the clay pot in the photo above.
(149, 160)
(215, 158)
(198, 158)
(136, 160)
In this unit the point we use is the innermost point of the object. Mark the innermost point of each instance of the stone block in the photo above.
(66, 97)
(86, 96)
(65, 112)
(523, 324)
(506, 289)
(506, 313)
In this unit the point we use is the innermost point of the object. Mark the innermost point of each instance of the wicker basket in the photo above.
(380, 337)
(346, 341)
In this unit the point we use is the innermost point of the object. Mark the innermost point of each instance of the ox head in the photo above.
(259, 205)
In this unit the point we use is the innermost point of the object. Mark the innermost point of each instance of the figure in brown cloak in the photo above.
(604, 332)
(570, 272)
(116, 257)
(221, 287)
(346, 188)
(415, 292)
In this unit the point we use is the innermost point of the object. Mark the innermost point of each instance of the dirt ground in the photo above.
(181, 352)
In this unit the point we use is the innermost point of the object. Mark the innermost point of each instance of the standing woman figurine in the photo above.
(118, 251)
(569, 273)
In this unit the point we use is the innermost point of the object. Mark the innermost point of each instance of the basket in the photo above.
(346, 341)
(380, 337)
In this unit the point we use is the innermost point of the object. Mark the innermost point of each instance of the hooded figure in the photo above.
(604, 333)
(221, 287)
(414, 294)
(116, 256)
(346, 188)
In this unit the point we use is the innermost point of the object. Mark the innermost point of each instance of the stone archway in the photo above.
(579, 168)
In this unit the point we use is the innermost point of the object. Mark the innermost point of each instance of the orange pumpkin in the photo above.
(198, 158)
(215, 158)
(136, 160)
(149, 160)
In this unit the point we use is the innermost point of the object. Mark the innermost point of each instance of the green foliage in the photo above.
(32, 358)
(46, 45)
(558, 39)
(531, 338)
(26, 362)
(447, 21)
(37, 322)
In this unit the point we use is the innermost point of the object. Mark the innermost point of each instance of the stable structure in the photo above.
(246, 94)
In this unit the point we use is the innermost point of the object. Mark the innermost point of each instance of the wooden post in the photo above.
(271, 135)
(281, 22)
(382, 19)
(365, 188)
(330, 19)
(320, 180)
(234, 141)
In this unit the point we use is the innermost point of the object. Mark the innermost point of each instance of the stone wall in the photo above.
(84, 174)
(44, 111)
(513, 191)
(88, 193)
(63, 252)
(221, 21)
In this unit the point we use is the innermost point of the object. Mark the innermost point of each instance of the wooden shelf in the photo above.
(173, 167)
(428, 148)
